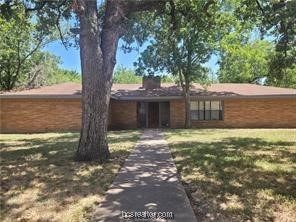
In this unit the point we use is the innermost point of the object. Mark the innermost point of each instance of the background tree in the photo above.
(279, 18)
(244, 62)
(276, 21)
(45, 70)
(18, 42)
(280, 76)
(124, 75)
(181, 45)
(22, 63)
(128, 76)
(260, 44)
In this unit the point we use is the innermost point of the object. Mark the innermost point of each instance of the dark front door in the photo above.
(142, 114)
(153, 115)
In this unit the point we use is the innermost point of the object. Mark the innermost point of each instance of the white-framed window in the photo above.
(206, 110)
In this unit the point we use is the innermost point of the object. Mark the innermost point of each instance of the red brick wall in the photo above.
(54, 115)
(177, 114)
(244, 113)
(50, 115)
(39, 115)
(123, 114)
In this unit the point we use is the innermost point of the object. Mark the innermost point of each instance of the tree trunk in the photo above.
(98, 58)
(96, 89)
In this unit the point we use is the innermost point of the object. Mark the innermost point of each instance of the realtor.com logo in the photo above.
(146, 215)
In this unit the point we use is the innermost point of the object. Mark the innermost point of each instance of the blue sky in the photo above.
(71, 58)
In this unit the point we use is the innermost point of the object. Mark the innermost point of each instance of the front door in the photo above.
(153, 115)
(142, 114)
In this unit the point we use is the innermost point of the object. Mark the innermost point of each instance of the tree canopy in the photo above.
(17, 44)
(244, 63)
(124, 75)
(181, 44)
(22, 61)
(272, 56)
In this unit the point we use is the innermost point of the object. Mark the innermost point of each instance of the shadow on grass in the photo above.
(42, 170)
(228, 176)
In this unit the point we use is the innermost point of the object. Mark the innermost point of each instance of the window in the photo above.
(215, 110)
(206, 110)
(194, 110)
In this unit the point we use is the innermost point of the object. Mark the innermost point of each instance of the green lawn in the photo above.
(238, 174)
(41, 182)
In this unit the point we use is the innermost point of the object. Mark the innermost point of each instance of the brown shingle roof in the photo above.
(135, 91)
(58, 89)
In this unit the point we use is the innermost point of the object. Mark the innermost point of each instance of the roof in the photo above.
(167, 91)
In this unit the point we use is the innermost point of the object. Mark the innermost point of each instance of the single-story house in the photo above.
(151, 105)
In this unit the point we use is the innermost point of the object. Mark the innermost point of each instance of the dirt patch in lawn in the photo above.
(239, 174)
(41, 182)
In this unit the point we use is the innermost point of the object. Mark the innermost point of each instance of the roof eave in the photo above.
(246, 97)
(159, 98)
(38, 96)
(149, 98)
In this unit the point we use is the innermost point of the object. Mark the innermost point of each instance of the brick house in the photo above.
(151, 105)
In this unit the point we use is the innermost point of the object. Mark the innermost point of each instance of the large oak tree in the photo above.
(100, 26)
(98, 46)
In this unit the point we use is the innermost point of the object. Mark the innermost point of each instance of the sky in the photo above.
(71, 59)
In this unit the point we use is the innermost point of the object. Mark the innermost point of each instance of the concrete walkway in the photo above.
(148, 183)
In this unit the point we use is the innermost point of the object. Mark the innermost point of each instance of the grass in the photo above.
(238, 174)
(41, 182)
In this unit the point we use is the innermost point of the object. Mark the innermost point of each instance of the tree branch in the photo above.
(173, 16)
(262, 11)
(145, 5)
(116, 15)
(33, 50)
(39, 5)
(260, 7)
(207, 6)
(58, 23)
